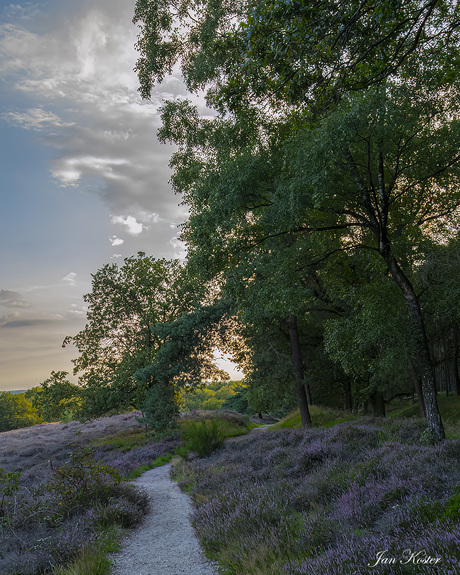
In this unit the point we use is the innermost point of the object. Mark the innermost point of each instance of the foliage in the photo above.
(238, 401)
(16, 411)
(202, 438)
(185, 359)
(56, 398)
(335, 140)
(160, 407)
(289, 52)
(313, 53)
(325, 501)
(117, 340)
(212, 395)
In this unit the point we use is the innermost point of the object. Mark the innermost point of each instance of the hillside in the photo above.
(348, 497)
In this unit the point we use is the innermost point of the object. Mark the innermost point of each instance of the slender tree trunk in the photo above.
(424, 362)
(419, 392)
(347, 395)
(298, 370)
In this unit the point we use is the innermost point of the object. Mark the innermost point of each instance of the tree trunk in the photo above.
(298, 370)
(425, 365)
(378, 404)
(419, 392)
(347, 395)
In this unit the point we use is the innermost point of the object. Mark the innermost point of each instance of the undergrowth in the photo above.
(327, 501)
(44, 527)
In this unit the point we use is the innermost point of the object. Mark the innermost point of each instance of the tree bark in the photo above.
(347, 395)
(378, 404)
(425, 365)
(419, 392)
(298, 371)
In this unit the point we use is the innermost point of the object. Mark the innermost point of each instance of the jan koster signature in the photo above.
(408, 556)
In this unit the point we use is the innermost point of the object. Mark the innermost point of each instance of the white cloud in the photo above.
(35, 119)
(133, 226)
(180, 249)
(70, 278)
(68, 171)
(116, 241)
(75, 63)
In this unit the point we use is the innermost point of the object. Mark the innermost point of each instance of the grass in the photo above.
(449, 407)
(158, 462)
(125, 440)
(321, 417)
(93, 560)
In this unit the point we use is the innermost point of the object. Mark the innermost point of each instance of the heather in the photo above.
(62, 486)
(327, 501)
(58, 500)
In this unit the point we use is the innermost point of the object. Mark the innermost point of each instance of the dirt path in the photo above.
(165, 543)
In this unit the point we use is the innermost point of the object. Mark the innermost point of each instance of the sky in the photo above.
(83, 179)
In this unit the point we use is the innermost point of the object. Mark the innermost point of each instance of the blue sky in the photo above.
(83, 179)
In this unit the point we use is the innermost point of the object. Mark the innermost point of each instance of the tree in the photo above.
(56, 397)
(372, 339)
(290, 52)
(16, 412)
(117, 340)
(374, 168)
(365, 176)
(185, 358)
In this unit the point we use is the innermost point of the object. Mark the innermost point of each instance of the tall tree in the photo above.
(124, 303)
(375, 168)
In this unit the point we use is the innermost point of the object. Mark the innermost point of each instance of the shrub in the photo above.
(202, 438)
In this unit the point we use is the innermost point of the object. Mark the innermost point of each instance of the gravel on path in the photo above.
(165, 543)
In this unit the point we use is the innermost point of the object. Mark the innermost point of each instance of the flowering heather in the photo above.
(57, 491)
(361, 497)
(127, 461)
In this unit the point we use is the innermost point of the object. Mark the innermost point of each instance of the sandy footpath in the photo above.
(165, 542)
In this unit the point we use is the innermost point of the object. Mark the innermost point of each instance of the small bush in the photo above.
(202, 438)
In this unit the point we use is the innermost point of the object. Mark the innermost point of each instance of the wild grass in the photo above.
(326, 501)
(320, 416)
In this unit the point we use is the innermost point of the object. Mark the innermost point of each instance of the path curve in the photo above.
(165, 542)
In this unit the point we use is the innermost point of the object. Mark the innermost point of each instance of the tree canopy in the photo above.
(336, 131)
(124, 303)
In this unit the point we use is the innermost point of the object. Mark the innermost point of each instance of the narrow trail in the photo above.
(165, 542)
